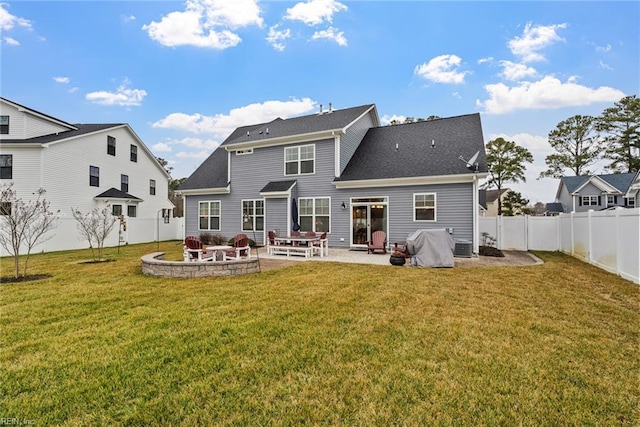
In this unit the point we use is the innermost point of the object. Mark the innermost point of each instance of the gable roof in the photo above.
(405, 151)
(619, 181)
(36, 113)
(492, 195)
(114, 193)
(80, 129)
(309, 124)
(554, 207)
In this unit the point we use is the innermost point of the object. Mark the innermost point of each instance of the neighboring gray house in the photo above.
(633, 192)
(595, 192)
(344, 174)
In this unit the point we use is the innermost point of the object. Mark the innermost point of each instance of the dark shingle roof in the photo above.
(378, 158)
(114, 193)
(81, 130)
(212, 173)
(337, 119)
(278, 186)
(554, 207)
(492, 195)
(620, 181)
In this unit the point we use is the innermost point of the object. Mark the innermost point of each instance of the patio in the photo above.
(511, 258)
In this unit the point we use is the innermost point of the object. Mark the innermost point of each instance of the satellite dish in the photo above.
(471, 163)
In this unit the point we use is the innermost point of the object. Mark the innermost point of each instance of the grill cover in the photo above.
(431, 248)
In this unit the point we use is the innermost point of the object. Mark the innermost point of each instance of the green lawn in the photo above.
(318, 344)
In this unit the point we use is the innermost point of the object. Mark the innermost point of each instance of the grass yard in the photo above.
(318, 344)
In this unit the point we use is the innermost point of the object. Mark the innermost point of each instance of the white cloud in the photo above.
(11, 41)
(442, 69)
(535, 39)
(605, 66)
(221, 125)
(277, 37)
(62, 80)
(386, 119)
(9, 21)
(546, 93)
(123, 96)
(74, 89)
(129, 18)
(161, 147)
(206, 23)
(487, 59)
(314, 12)
(603, 49)
(513, 71)
(330, 34)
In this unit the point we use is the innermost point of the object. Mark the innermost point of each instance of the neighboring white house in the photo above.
(82, 166)
(492, 201)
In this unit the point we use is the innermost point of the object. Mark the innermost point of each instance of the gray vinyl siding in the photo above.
(565, 198)
(250, 173)
(350, 141)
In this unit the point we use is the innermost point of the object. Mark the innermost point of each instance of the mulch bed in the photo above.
(490, 251)
(27, 278)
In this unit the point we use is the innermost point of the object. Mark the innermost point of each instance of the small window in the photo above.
(4, 125)
(209, 215)
(252, 215)
(152, 187)
(6, 166)
(424, 207)
(630, 202)
(116, 210)
(111, 145)
(315, 214)
(5, 208)
(590, 200)
(124, 183)
(243, 152)
(131, 211)
(611, 200)
(299, 160)
(94, 176)
(134, 153)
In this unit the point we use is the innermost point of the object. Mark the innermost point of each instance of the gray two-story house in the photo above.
(342, 173)
(594, 192)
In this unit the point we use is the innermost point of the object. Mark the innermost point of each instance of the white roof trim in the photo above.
(375, 124)
(419, 180)
(634, 188)
(282, 140)
(23, 109)
(205, 191)
(599, 183)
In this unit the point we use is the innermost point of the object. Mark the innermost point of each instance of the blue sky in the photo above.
(185, 74)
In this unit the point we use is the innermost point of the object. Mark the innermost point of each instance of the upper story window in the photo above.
(299, 160)
(424, 207)
(124, 183)
(152, 187)
(134, 153)
(111, 145)
(253, 215)
(590, 200)
(209, 215)
(94, 176)
(4, 125)
(315, 214)
(6, 166)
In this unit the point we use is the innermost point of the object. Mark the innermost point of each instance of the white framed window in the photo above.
(315, 214)
(116, 210)
(94, 176)
(4, 125)
(300, 160)
(124, 183)
(424, 207)
(589, 200)
(132, 211)
(152, 187)
(630, 202)
(611, 200)
(244, 152)
(253, 215)
(209, 215)
(111, 145)
(6, 166)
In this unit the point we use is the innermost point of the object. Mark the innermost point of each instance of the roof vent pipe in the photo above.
(330, 108)
(320, 109)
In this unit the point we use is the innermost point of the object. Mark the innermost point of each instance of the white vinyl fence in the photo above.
(139, 230)
(608, 239)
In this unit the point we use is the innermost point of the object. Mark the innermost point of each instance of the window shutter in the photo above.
(579, 200)
(599, 200)
(615, 200)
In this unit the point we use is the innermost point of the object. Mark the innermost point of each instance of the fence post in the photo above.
(590, 236)
(619, 247)
(573, 243)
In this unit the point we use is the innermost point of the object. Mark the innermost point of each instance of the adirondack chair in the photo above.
(193, 250)
(240, 247)
(378, 242)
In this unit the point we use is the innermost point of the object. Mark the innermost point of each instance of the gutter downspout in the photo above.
(476, 229)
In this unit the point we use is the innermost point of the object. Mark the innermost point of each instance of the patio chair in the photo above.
(240, 248)
(271, 241)
(295, 234)
(310, 235)
(193, 250)
(378, 242)
(322, 244)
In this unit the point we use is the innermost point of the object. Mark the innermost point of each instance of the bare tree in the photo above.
(94, 227)
(24, 223)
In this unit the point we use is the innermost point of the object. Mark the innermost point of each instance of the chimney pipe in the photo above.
(320, 108)
(330, 108)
